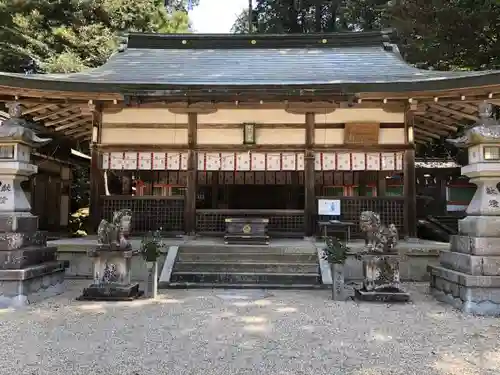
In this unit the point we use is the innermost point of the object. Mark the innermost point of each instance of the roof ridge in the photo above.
(247, 41)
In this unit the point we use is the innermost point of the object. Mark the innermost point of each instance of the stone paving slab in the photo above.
(221, 332)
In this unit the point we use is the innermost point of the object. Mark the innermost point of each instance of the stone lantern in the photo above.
(29, 270)
(468, 276)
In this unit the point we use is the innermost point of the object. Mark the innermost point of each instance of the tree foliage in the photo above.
(71, 35)
(63, 36)
(438, 34)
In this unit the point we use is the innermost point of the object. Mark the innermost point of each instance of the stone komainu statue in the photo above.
(115, 234)
(378, 237)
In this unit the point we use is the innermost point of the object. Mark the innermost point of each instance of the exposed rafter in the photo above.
(435, 130)
(37, 108)
(437, 124)
(442, 108)
(64, 119)
(426, 133)
(56, 113)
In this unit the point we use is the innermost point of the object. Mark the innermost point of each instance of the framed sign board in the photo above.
(329, 207)
(361, 134)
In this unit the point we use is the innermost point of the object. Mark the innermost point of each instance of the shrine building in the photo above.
(187, 130)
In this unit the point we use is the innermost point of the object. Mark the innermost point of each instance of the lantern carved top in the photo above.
(485, 130)
(15, 129)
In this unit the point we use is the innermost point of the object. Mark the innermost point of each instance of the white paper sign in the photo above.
(329, 207)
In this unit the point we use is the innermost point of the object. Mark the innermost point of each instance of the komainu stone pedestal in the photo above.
(112, 262)
(381, 279)
(111, 269)
(29, 270)
(380, 261)
(468, 276)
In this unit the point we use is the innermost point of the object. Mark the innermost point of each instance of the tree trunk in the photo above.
(334, 10)
(318, 17)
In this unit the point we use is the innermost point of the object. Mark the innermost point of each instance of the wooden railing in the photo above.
(391, 210)
(149, 212)
(167, 214)
(282, 223)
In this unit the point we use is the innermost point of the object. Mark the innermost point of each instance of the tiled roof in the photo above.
(349, 62)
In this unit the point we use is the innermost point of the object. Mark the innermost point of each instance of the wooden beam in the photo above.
(62, 110)
(245, 148)
(192, 174)
(37, 108)
(448, 94)
(52, 94)
(76, 123)
(423, 137)
(61, 120)
(309, 177)
(436, 130)
(453, 112)
(468, 106)
(71, 124)
(361, 148)
(436, 123)
(313, 107)
(432, 135)
(83, 133)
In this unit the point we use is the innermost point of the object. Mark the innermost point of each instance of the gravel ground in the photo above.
(246, 332)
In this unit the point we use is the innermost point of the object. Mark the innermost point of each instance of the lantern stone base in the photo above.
(478, 295)
(21, 287)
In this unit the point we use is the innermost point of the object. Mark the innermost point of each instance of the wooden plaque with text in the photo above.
(361, 134)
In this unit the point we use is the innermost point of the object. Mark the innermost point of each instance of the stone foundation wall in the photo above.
(412, 267)
(80, 265)
(23, 292)
(476, 299)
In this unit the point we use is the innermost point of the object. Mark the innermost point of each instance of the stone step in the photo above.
(475, 245)
(244, 257)
(186, 285)
(239, 266)
(27, 256)
(245, 249)
(470, 264)
(246, 278)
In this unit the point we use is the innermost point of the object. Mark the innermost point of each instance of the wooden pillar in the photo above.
(410, 206)
(310, 197)
(215, 190)
(443, 201)
(65, 199)
(192, 176)
(381, 184)
(96, 173)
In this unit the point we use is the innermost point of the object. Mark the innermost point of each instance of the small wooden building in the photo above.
(187, 130)
(50, 189)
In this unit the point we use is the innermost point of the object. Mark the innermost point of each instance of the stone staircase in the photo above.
(245, 266)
